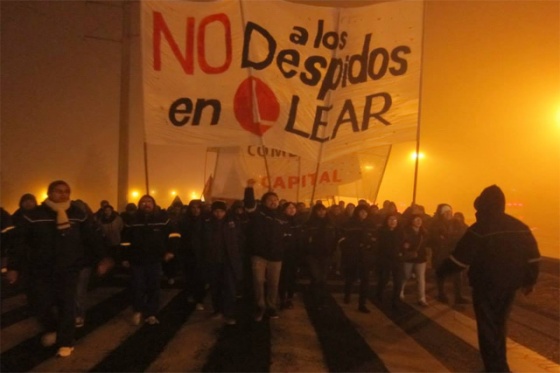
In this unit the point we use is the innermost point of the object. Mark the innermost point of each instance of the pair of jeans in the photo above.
(266, 272)
(420, 272)
(146, 288)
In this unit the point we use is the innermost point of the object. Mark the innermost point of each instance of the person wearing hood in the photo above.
(502, 256)
(265, 238)
(358, 246)
(55, 241)
(147, 240)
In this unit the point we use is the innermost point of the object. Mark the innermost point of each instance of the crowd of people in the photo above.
(252, 248)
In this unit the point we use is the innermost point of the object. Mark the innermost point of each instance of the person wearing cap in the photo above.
(54, 242)
(220, 241)
(502, 256)
(147, 240)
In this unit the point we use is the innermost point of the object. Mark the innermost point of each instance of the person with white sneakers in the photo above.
(53, 241)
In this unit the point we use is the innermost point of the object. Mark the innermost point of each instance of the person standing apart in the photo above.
(148, 240)
(502, 256)
(415, 257)
(54, 241)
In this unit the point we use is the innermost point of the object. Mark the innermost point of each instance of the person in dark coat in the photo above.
(265, 239)
(55, 241)
(319, 237)
(221, 245)
(293, 255)
(502, 256)
(358, 248)
(390, 260)
(192, 256)
(415, 256)
(148, 239)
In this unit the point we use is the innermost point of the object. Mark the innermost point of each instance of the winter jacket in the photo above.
(221, 244)
(44, 248)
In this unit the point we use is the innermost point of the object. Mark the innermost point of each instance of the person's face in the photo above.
(219, 214)
(362, 214)
(28, 204)
(290, 210)
(392, 222)
(321, 213)
(448, 215)
(195, 210)
(107, 211)
(417, 222)
(272, 202)
(146, 205)
(60, 193)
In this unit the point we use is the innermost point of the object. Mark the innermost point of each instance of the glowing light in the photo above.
(414, 155)
(558, 116)
(152, 192)
(135, 194)
(173, 192)
(368, 167)
(194, 195)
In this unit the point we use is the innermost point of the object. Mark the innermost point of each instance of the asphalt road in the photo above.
(337, 338)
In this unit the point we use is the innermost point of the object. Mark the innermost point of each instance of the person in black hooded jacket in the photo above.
(358, 247)
(502, 256)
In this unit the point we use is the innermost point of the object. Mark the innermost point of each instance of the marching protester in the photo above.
(390, 259)
(221, 246)
(502, 256)
(293, 255)
(415, 256)
(265, 238)
(54, 241)
(320, 243)
(148, 239)
(358, 248)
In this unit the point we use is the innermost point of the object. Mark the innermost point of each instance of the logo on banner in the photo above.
(255, 106)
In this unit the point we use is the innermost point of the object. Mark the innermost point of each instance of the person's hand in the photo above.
(251, 183)
(12, 276)
(125, 264)
(168, 256)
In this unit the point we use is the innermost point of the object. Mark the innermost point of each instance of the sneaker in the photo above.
(423, 303)
(199, 307)
(230, 321)
(151, 320)
(65, 351)
(79, 322)
(273, 314)
(48, 339)
(259, 316)
(136, 318)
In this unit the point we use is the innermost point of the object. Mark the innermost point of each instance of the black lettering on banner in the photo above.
(259, 65)
(180, 110)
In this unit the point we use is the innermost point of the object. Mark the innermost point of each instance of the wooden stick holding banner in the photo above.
(417, 155)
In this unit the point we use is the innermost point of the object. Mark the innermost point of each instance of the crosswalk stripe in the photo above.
(90, 350)
(294, 343)
(398, 350)
(189, 349)
(520, 358)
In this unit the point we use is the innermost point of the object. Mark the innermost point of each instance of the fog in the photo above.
(490, 108)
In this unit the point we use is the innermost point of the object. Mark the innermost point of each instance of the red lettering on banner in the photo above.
(292, 182)
(187, 61)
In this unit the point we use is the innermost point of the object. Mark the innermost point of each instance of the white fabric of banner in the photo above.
(317, 82)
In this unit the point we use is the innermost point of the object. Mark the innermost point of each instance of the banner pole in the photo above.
(146, 167)
(417, 154)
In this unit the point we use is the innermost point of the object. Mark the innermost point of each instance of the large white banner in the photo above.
(317, 82)
(294, 178)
